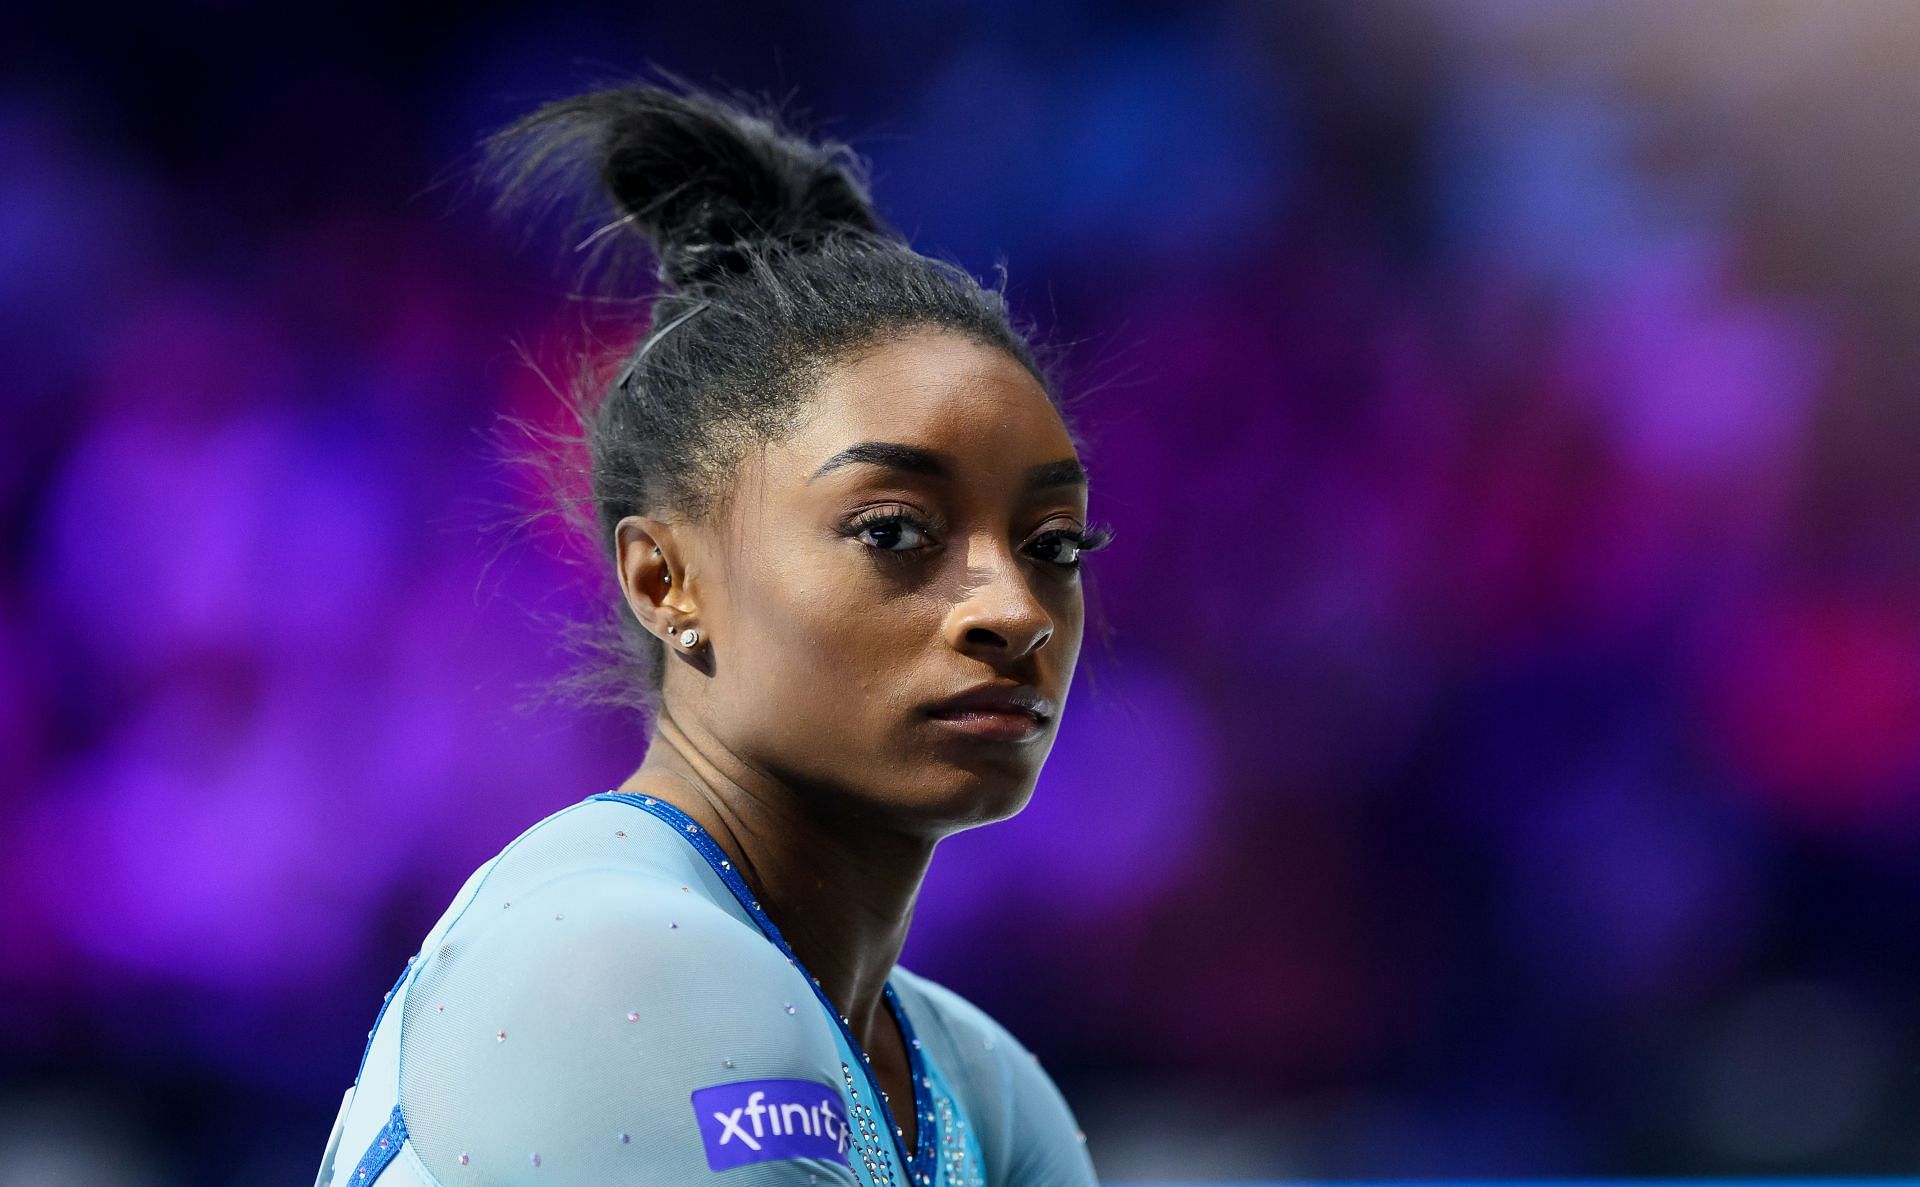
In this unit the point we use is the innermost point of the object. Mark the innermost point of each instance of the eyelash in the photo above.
(1093, 539)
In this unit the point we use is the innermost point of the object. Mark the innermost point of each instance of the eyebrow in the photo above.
(914, 459)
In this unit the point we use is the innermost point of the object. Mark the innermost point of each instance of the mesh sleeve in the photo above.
(1046, 1145)
(1027, 1132)
(564, 1040)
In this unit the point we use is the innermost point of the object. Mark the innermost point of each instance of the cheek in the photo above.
(1061, 656)
(1070, 627)
(824, 639)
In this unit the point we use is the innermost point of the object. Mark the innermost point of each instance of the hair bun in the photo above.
(702, 178)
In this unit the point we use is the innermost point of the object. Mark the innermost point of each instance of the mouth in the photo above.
(996, 711)
(990, 725)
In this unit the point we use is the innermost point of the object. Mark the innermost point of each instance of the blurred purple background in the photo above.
(1505, 755)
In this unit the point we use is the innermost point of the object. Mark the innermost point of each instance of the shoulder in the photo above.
(1028, 1133)
(957, 1021)
(580, 1000)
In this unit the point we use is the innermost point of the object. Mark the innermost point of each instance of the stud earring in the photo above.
(689, 637)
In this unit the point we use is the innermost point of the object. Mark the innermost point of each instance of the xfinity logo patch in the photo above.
(756, 1120)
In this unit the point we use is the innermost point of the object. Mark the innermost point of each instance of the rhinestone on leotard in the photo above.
(957, 1163)
(867, 1139)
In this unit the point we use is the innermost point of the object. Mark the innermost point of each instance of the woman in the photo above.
(846, 517)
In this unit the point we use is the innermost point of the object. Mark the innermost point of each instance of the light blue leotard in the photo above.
(605, 1003)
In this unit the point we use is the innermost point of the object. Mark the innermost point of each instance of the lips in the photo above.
(1004, 697)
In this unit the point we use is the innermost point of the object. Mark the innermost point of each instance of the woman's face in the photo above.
(901, 547)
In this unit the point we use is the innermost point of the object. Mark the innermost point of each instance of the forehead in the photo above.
(934, 389)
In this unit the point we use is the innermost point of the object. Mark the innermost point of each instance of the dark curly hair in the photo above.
(772, 267)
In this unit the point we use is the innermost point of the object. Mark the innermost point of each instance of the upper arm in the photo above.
(1028, 1134)
(1047, 1146)
(591, 1031)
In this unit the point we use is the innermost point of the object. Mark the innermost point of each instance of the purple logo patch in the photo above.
(756, 1120)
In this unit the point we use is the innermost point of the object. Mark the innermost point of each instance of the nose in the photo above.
(997, 617)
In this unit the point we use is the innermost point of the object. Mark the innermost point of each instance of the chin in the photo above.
(969, 797)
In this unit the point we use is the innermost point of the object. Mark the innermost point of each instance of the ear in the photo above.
(652, 575)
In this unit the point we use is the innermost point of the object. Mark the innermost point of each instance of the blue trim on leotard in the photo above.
(383, 1149)
(919, 1166)
(384, 1003)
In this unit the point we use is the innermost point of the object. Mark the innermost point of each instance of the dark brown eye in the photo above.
(891, 531)
(1062, 548)
(1066, 546)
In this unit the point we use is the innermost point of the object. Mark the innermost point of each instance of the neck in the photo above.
(839, 886)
